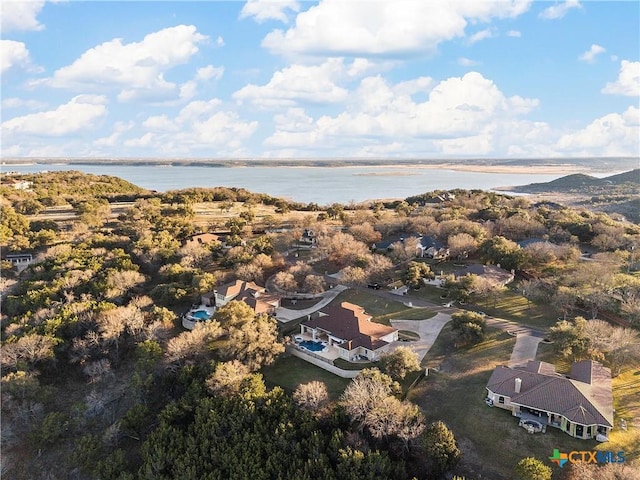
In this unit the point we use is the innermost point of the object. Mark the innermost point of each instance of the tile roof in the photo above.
(496, 274)
(543, 389)
(236, 288)
(352, 324)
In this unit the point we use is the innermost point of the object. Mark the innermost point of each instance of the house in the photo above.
(581, 404)
(20, 261)
(17, 184)
(429, 247)
(252, 294)
(494, 274)
(307, 239)
(349, 329)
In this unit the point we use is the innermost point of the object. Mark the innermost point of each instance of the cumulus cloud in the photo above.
(263, 10)
(81, 113)
(298, 83)
(628, 82)
(366, 28)
(590, 55)
(137, 68)
(514, 33)
(559, 10)
(15, 102)
(614, 134)
(13, 55)
(209, 73)
(20, 15)
(460, 109)
(200, 125)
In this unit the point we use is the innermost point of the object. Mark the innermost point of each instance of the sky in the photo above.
(330, 79)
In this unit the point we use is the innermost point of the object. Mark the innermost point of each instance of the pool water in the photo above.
(201, 315)
(313, 346)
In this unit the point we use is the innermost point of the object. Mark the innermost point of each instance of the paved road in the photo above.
(524, 350)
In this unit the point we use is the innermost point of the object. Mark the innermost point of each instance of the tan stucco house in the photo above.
(349, 329)
(580, 404)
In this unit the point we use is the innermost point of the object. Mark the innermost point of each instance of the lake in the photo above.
(322, 185)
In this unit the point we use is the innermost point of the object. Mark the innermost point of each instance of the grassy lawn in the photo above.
(382, 309)
(491, 441)
(626, 402)
(289, 372)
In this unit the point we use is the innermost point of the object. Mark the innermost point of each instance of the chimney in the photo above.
(518, 384)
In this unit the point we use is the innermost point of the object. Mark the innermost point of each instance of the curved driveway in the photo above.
(427, 329)
(286, 314)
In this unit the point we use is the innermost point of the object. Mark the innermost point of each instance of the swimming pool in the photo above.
(312, 346)
(200, 315)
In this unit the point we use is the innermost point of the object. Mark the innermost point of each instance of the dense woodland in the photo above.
(100, 380)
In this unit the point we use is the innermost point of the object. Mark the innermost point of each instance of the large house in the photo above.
(349, 329)
(580, 404)
(252, 294)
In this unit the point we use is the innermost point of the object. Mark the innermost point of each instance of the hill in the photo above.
(582, 183)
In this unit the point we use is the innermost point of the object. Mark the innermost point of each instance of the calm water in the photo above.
(322, 185)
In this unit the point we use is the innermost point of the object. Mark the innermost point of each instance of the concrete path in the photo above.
(427, 329)
(285, 315)
(524, 350)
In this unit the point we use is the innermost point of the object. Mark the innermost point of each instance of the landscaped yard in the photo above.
(289, 372)
(456, 394)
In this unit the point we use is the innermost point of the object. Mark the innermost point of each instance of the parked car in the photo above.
(375, 286)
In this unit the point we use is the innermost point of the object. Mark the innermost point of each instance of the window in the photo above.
(501, 400)
(589, 431)
(579, 430)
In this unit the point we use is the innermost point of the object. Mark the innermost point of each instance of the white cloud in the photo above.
(465, 110)
(15, 102)
(200, 125)
(611, 135)
(298, 83)
(114, 139)
(220, 41)
(364, 28)
(467, 62)
(263, 10)
(81, 113)
(137, 68)
(590, 55)
(628, 82)
(209, 73)
(481, 35)
(13, 54)
(514, 33)
(20, 15)
(559, 10)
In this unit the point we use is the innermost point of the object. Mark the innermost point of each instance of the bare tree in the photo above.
(254, 343)
(392, 418)
(364, 392)
(314, 284)
(285, 282)
(311, 396)
(31, 349)
(462, 245)
(193, 345)
(227, 378)
(365, 233)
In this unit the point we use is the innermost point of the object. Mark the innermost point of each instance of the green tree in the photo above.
(531, 468)
(570, 339)
(441, 448)
(469, 327)
(416, 273)
(399, 362)
(504, 252)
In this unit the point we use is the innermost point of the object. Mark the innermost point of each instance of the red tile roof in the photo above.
(350, 323)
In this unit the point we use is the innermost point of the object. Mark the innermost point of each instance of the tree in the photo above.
(285, 282)
(194, 345)
(502, 251)
(393, 418)
(609, 471)
(254, 343)
(531, 468)
(365, 391)
(570, 339)
(314, 284)
(30, 350)
(441, 448)
(234, 314)
(469, 327)
(416, 273)
(462, 245)
(311, 396)
(618, 346)
(399, 362)
(227, 378)
(365, 233)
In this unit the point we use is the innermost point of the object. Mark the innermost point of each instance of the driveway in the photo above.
(286, 314)
(524, 350)
(427, 329)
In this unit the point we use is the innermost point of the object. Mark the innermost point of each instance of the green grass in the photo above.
(491, 441)
(626, 402)
(289, 372)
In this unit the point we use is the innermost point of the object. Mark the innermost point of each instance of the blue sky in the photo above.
(335, 78)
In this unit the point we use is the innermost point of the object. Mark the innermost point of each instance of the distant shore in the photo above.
(495, 166)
